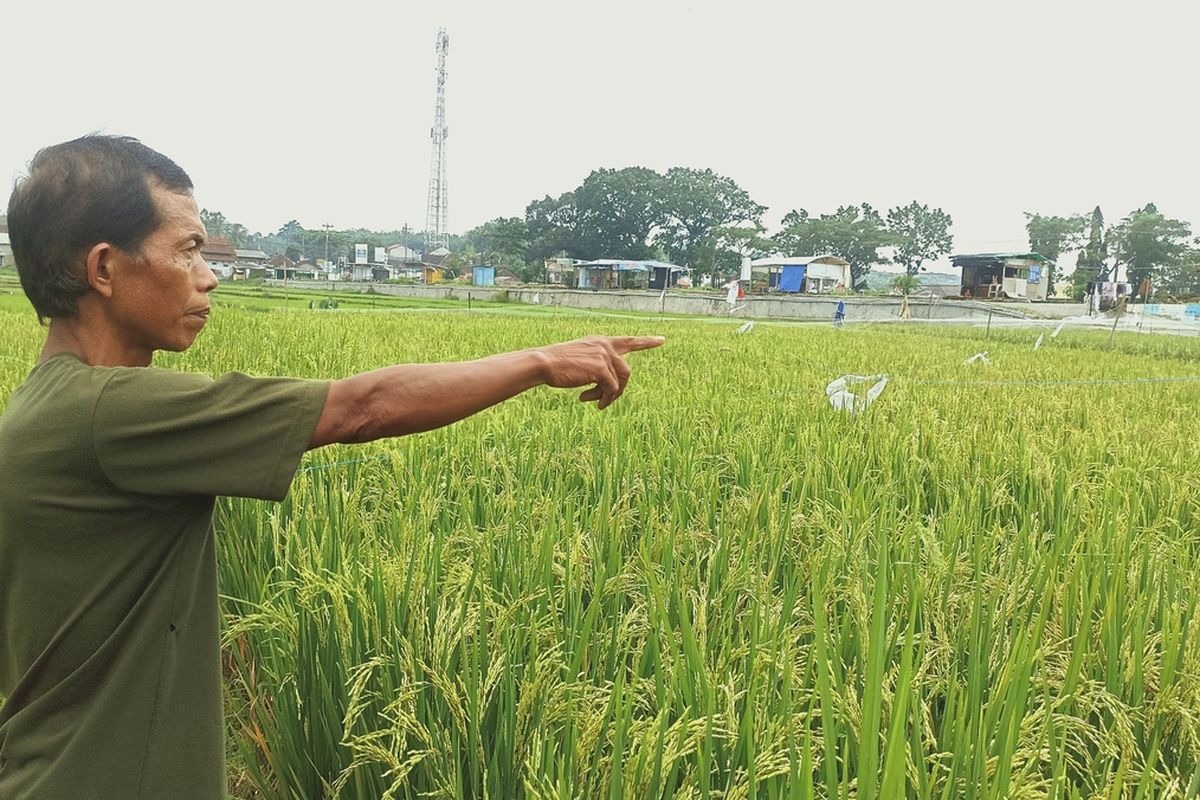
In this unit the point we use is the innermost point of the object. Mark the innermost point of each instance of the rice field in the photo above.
(984, 586)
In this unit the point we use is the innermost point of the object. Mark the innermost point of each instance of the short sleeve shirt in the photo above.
(109, 629)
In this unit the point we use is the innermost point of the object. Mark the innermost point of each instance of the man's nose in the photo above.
(208, 278)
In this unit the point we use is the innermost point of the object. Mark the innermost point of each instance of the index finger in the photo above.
(627, 344)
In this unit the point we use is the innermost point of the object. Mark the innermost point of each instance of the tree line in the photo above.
(702, 220)
(707, 222)
(306, 244)
(1159, 253)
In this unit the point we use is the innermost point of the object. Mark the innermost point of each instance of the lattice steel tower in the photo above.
(437, 233)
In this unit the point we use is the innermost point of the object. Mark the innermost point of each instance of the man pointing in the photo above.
(108, 594)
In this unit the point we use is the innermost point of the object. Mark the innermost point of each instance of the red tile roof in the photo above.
(218, 248)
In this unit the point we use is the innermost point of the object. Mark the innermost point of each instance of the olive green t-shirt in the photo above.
(109, 650)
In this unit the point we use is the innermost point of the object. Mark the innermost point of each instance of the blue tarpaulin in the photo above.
(792, 278)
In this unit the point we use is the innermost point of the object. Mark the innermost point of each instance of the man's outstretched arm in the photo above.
(410, 398)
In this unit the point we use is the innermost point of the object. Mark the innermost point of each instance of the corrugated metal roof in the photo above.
(998, 256)
(790, 261)
(622, 265)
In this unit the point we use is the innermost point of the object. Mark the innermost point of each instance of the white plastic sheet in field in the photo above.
(842, 397)
(978, 358)
(1038, 343)
(745, 327)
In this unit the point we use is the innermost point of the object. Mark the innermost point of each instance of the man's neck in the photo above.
(92, 343)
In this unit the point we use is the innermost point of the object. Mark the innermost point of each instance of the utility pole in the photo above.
(326, 226)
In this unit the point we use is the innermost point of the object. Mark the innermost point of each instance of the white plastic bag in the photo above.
(978, 358)
(745, 327)
(843, 399)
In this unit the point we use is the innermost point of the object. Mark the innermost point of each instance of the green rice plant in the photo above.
(982, 587)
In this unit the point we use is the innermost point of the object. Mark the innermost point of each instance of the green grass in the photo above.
(720, 587)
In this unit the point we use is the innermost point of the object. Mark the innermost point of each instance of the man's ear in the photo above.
(102, 262)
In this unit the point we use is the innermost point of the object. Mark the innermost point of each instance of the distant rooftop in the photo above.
(218, 247)
(993, 257)
(798, 261)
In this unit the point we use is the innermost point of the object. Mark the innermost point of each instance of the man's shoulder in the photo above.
(47, 420)
(60, 381)
(64, 392)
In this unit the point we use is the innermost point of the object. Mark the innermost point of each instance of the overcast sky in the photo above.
(322, 113)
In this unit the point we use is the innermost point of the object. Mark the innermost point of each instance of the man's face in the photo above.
(162, 298)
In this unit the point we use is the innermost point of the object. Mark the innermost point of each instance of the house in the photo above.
(401, 268)
(404, 262)
(402, 253)
(990, 276)
(560, 271)
(300, 271)
(615, 273)
(280, 260)
(221, 256)
(255, 258)
(804, 274)
(6, 254)
(373, 272)
(506, 277)
(436, 257)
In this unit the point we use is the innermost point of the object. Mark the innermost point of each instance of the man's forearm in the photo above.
(410, 398)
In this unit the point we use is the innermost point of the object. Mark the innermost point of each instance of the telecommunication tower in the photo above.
(437, 232)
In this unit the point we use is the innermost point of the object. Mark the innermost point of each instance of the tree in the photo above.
(1148, 243)
(1052, 236)
(855, 233)
(214, 222)
(616, 211)
(237, 234)
(922, 234)
(1182, 279)
(458, 263)
(502, 236)
(636, 213)
(291, 230)
(691, 203)
(723, 248)
(906, 284)
(550, 225)
(1092, 262)
(504, 242)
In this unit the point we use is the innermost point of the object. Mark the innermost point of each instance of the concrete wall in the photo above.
(684, 303)
(1182, 311)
